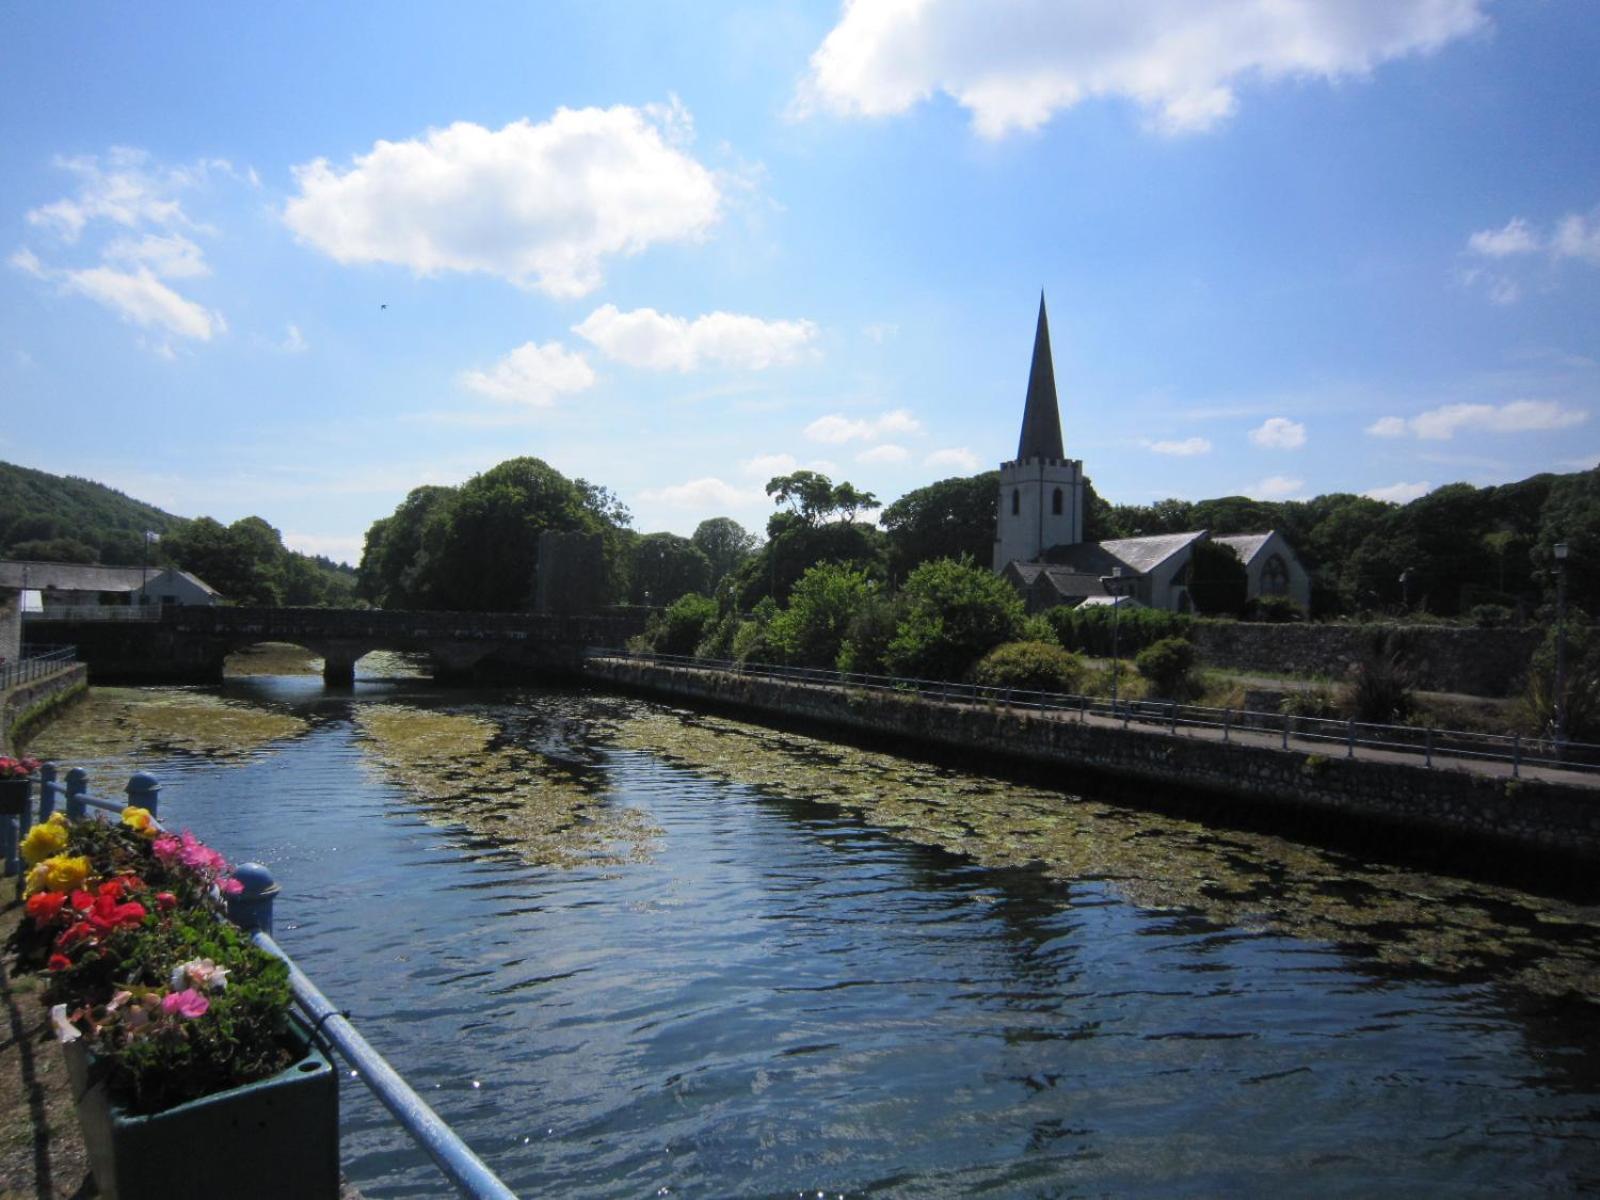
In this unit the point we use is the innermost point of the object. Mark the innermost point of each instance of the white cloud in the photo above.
(532, 375)
(127, 188)
(768, 465)
(27, 262)
(539, 205)
(1578, 236)
(1014, 63)
(293, 341)
(141, 298)
(1279, 433)
(1184, 449)
(1399, 493)
(959, 458)
(834, 428)
(1275, 487)
(339, 547)
(660, 342)
(1514, 238)
(888, 452)
(171, 256)
(1444, 422)
(706, 493)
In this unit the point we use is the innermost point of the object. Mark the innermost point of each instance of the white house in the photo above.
(47, 587)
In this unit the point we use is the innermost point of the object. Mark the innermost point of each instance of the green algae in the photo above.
(458, 768)
(1406, 920)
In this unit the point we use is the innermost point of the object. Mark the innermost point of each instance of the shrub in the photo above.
(810, 632)
(1168, 666)
(1093, 629)
(867, 639)
(750, 644)
(1490, 616)
(1581, 679)
(1276, 610)
(679, 629)
(1380, 690)
(718, 640)
(955, 612)
(1218, 581)
(1029, 666)
(1037, 628)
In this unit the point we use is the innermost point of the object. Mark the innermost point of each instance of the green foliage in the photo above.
(1490, 616)
(1168, 666)
(815, 498)
(954, 613)
(812, 629)
(248, 563)
(725, 543)
(1581, 678)
(682, 626)
(1092, 629)
(664, 566)
(1038, 628)
(1310, 702)
(1218, 582)
(866, 641)
(750, 643)
(717, 641)
(1029, 666)
(393, 568)
(61, 549)
(51, 518)
(794, 546)
(953, 518)
(1274, 610)
(1380, 690)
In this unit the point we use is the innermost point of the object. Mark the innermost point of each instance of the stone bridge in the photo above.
(190, 645)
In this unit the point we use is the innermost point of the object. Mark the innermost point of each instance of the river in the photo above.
(628, 950)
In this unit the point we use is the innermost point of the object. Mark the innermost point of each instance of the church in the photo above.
(1038, 543)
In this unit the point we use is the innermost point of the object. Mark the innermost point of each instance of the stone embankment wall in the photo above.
(1549, 819)
(26, 703)
(1445, 658)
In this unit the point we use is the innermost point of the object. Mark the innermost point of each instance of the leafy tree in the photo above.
(1580, 691)
(954, 612)
(953, 518)
(872, 627)
(1218, 582)
(665, 566)
(242, 560)
(391, 571)
(811, 630)
(56, 549)
(725, 543)
(681, 626)
(795, 544)
(815, 498)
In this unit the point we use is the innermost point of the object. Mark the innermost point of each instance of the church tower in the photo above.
(1041, 491)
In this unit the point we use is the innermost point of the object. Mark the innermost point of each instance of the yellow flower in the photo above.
(42, 842)
(140, 819)
(61, 874)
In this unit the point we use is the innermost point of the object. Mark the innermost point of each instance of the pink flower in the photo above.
(166, 849)
(231, 887)
(187, 1003)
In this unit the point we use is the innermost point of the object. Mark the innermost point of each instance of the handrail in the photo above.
(36, 665)
(1429, 744)
(251, 910)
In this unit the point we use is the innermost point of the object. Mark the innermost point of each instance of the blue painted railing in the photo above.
(251, 910)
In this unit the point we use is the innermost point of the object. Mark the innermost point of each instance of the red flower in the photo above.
(82, 900)
(166, 901)
(58, 962)
(108, 914)
(80, 932)
(44, 907)
(112, 888)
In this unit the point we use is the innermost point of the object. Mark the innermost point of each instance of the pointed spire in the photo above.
(1041, 417)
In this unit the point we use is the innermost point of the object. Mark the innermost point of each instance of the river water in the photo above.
(628, 950)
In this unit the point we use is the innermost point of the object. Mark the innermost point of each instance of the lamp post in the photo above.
(1560, 551)
(1113, 585)
(1405, 589)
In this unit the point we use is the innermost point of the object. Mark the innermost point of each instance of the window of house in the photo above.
(1275, 577)
(1055, 503)
(1016, 501)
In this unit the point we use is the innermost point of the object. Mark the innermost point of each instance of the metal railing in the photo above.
(96, 612)
(1284, 730)
(251, 910)
(35, 663)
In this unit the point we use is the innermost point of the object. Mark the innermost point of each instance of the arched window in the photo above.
(1055, 503)
(1275, 577)
(1016, 501)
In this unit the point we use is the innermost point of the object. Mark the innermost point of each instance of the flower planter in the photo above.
(276, 1137)
(14, 796)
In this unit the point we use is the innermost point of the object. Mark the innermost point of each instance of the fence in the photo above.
(35, 663)
(1284, 729)
(252, 911)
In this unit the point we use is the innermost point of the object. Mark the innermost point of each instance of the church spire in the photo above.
(1041, 418)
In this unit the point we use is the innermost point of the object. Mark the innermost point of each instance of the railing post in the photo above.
(47, 790)
(1285, 718)
(1350, 739)
(1227, 721)
(144, 790)
(1172, 717)
(77, 789)
(1516, 756)
(251, 908)
(1427, 750)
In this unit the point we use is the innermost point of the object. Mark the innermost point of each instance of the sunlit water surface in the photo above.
(631, 951)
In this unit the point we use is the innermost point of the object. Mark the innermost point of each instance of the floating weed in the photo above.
(1402, 919)
(456, 765)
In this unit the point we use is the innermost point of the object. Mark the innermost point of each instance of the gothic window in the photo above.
(1055, 503)
(1016, 501)
(1275, 577)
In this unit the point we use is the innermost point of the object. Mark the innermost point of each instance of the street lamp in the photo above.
(1113, 585)
(1406, 577)
(1561, 644)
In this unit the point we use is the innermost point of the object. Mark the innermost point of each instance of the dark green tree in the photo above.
(725, 543)
(665, 566)
(1218, 582)
(811, 630)
(954, 613)
(949, 519)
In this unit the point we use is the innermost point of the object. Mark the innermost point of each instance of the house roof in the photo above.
(1041, 416)
(1139, 555)
(1071, 584)
(87, 577)
(1245, 545)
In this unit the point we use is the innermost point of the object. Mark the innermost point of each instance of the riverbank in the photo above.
(1473, 814)
(24, 706)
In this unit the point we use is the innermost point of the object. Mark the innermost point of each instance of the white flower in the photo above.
(66, 1031)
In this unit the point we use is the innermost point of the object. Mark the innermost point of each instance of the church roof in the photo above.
(1136, 555)
(1041, 416)
(1245, 545)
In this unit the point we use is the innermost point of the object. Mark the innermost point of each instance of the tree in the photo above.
(1218, 582)
(794, 544)
(814, 498)
(665, 566)
(725, 543)
(243, 561)
(949, 519)
(392, 571)
(811, 630)
(954, 613)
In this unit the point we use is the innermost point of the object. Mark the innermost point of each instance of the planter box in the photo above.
(274, 1138)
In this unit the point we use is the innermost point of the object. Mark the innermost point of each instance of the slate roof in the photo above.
(82, 577)
(1146, 553)
(1245, 545)
(1041, 416)
(1072, 584)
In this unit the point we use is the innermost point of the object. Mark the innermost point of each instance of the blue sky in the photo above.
(1288, 247)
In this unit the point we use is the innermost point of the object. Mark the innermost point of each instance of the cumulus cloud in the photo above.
(1279, 433)
(141, 299)
(1399, 493)
(541, 205)
(1444, 422)
(172, 256)
(532, 375)
(1014, 63)
(126, 188)
(293, 341)
(709, 492)
(1514, 238)
(835, 428)
(888, 452)
(957, 457)
(660, 342)
(768, 465)
(1184, 449)
(1276, 487)
(1578, 236)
